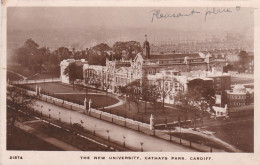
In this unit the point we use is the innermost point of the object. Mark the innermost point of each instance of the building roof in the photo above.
(174, 56)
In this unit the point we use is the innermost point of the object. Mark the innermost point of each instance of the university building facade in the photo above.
(167, 69)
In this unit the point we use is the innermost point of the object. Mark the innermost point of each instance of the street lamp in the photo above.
(141, 143)
(179, 118)
(95, 130)
(41, 109)
(49, 113)
(124, 140)
(108, 137)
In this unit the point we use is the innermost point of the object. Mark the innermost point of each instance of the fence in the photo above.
(125, 122)
(74, 136)
(35, 81)
(119, 120)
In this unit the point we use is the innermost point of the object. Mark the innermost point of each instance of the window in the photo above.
(218, 80)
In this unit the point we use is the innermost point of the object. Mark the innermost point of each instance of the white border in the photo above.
(53, 157)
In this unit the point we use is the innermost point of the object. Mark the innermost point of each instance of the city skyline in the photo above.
(67, 26)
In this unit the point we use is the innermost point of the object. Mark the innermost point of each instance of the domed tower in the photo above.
(146, 48)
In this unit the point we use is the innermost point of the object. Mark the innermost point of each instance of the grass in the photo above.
(20, 69)
(238, 80)
(239, 134)
(76, 95)
(169, 115)
(30, 74)
(197, 139)
(21, 140)
(44, 76)
(98, 101)
(13, 77)
(59, 88)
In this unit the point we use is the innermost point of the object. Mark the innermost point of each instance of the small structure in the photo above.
(39, 90)
(89, 106)
(220, 111)
(36, 89)
(85, 104)
(151, 122)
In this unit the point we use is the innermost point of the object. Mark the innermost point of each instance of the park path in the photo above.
(46, 138)
(115, 132)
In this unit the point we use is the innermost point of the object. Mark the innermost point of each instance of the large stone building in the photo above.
(168, 70)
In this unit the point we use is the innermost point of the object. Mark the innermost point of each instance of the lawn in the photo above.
(31, 75)
(169, 115)
(59, 88)
(13, 77)
(76, 95)
(98, 101)
(19, 69)
(239, 134)
(21, 140)
(44, 76)
(238, 80)
(197, 139)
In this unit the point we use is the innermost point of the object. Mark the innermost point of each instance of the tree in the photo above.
(145, 93)
(26, 53)
(163, 91)
(206, 98)
(137, 93)
(183, 101)
(153, 95)
(19, 99)
(243, 60)
(130, 47)
(63, 53)
(129, 94)
(198, 100)
(70, 71)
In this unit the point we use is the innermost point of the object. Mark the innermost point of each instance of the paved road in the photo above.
(116, 133)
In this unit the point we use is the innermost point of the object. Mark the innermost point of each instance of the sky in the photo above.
(29, 18)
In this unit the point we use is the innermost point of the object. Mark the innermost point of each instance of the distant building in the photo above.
(239, 96)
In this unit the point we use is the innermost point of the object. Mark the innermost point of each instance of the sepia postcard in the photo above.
(128, 82)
